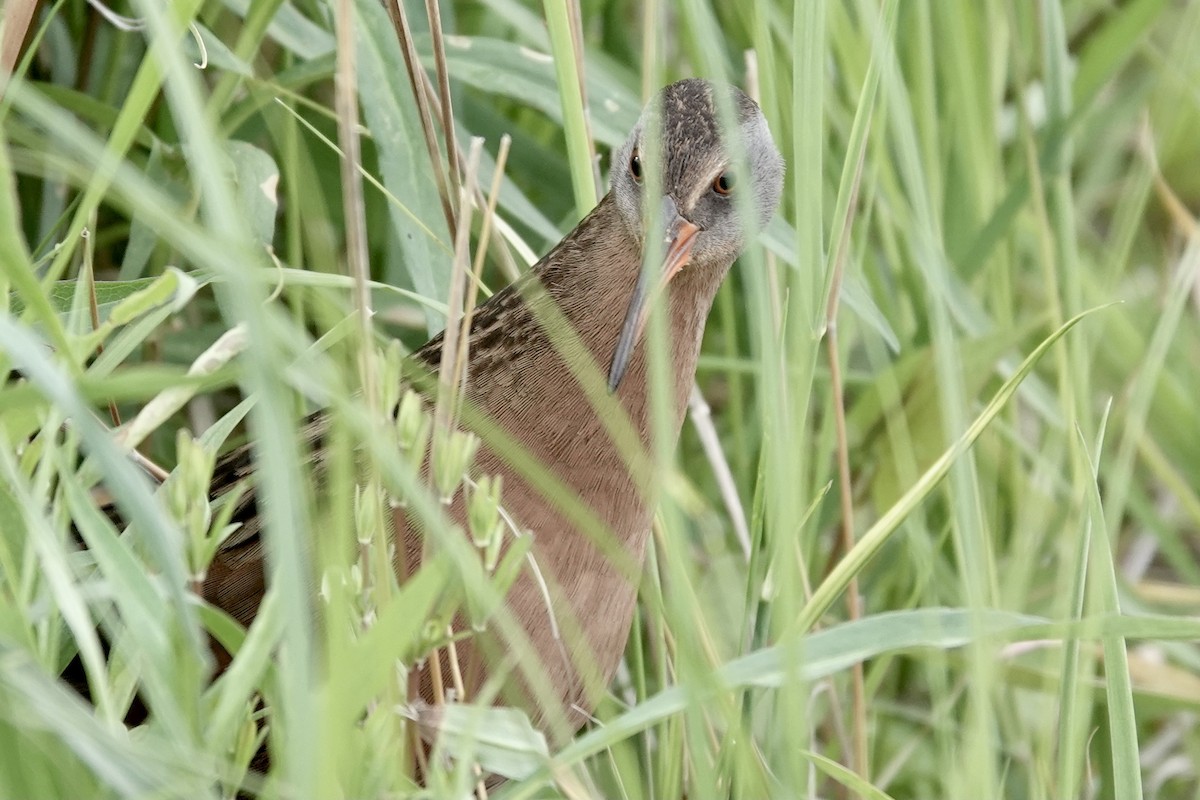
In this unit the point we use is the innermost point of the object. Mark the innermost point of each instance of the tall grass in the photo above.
(989, 209)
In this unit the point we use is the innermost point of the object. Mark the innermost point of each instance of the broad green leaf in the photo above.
(514, 71)
(848, 778)
(143, 238)
(501, 740)
(389, 109)
(257, 178)
(120, 302)
(292, 30)
(216, 54)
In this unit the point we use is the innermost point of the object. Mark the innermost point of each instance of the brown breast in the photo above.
(521, 382)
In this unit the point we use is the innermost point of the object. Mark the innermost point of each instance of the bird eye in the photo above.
(635, 166)
(724, 184)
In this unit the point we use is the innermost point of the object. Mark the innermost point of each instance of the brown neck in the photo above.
(593, 294)
(520, 376)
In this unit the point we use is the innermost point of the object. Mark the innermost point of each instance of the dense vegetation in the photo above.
(965, 179)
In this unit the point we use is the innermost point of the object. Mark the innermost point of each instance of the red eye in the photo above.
(724, 184)
(635, 166)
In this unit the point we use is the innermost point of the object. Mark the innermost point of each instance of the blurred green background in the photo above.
(963, 179)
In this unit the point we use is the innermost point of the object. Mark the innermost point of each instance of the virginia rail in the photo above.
(518, 377)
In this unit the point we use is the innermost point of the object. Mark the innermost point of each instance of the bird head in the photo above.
(682, 196)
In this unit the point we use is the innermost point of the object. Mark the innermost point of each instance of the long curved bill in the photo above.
(680, 237)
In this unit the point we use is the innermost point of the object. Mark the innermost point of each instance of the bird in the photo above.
(674, 193)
